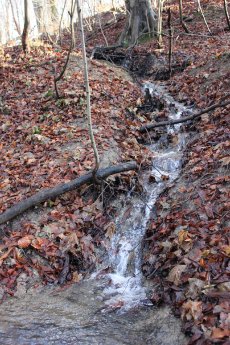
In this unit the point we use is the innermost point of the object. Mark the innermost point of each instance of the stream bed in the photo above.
(108, 308)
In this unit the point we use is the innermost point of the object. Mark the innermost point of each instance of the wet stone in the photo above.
(78, 315)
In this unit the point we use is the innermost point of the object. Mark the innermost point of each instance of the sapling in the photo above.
(89, 117)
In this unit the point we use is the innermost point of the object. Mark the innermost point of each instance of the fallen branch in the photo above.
(184, 119)
(52, 193)
(99, 51)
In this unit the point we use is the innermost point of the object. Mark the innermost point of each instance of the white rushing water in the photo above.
(125, 287)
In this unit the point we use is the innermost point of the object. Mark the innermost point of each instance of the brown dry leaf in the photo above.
(192, 310)
(226, 250)
(110, 229)
(224, 287)
(25, 241)
(225, 319)
(138, 101)
(19, 256)
(175, 274)
(76, 277)
(218, 333)
(208, 209)
(182, 236)
(5, 255)
(37, 243)
(73, 239)
(5, 184)
(87, 247)
(69, 242)
(225, 161)
(195, 287)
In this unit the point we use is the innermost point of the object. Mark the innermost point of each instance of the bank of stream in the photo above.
(114, 307)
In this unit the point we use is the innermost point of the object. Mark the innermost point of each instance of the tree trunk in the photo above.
(181, 17)
(170, 33)
(226, 13)
(160, 6)
(53, 16)
(60, 22)
(17, 23)
(141, 20)
(38, 14)
(26, 27)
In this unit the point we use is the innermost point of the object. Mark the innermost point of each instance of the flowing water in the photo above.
(109, 308)
(125, 254)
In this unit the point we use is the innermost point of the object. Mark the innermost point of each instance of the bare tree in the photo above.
(91, 134)
(25, 44)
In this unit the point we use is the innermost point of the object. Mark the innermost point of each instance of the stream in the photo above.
(108, 308)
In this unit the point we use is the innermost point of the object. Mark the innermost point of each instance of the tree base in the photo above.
(141, 20)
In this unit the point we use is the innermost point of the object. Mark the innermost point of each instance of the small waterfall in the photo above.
(125, 286)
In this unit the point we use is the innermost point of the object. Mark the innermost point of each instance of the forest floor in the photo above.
(45, 142)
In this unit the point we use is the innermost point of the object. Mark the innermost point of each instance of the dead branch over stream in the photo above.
(151, 126)
(52, 193)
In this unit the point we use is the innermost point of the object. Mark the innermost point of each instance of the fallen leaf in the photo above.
(225, 160)
(175, 274)
(218, 333)
(110, 229)
(192, 310)
(195, 287)
(25, 241)
(5, 255)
